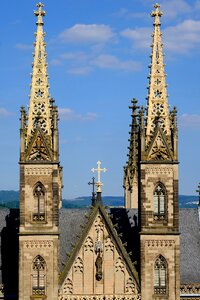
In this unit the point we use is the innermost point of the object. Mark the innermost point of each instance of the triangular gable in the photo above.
(38, 150)
(159, 147)
(99, 262)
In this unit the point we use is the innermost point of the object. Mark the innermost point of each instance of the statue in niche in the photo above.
(98, 264)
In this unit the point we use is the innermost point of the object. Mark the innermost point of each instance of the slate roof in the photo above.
(190, 245)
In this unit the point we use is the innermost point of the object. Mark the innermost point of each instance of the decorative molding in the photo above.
(160, 243)
(100, 297)
(130, 286)
(99, 225)
(119, 265)
(159, 170)
(109, 246)
(68, 287)
(190, 288)
(38, 171)
(89, 244)
(159, 150)
(38, 244)
(78, 265)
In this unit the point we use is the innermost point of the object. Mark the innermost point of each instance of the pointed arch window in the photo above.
(159, 198)
(160, 275)
(39, 203)
(38, 276)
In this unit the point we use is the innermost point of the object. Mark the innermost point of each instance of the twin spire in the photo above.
(157, 99)
(39, 129)
(39, 114)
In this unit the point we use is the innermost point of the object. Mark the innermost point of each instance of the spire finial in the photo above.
(40, 13)
(157, 14)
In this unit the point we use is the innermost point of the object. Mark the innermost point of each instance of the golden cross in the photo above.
(99, 170)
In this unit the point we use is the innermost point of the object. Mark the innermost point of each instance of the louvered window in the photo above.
(39, 203)
(160, 275)
(38, 276)
(159, 202)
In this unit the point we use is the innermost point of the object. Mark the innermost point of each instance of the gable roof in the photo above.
(99, 209)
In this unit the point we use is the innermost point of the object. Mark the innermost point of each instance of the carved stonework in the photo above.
(99, 224)
(89, 244)
(190, 289)
(130, 286)
(160, 243)
(100, 297)
(39, 150)
(109, 246)
(38, 244)
(159, 170)
(78, 265)
(37, 170)
(119, 265)
(68, 287)
(159, 150)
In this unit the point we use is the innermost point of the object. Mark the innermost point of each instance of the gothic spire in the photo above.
(157, 94)
(133, 148)
(40, 109)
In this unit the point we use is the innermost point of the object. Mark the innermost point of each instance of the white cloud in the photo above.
(179, 38)
(183, 37)
(125, 13)
(68, 114)
(189, 121)
(141, 37)
(4, 112)
(105, 61)
(55, 62)
(91, 33)
(85, 70)
(77, 56)
(173, 8)
(23, 46)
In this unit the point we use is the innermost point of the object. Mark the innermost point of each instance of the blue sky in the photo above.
(98, 57)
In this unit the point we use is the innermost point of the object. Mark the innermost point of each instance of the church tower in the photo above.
(40, 183)
(151, 180)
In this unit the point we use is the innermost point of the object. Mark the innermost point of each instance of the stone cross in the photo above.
(40, 13)
(99, 170)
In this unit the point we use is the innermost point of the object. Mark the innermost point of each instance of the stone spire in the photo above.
(40, 109)
(157, 93)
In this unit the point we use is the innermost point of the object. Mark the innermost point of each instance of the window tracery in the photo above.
(39, 203)
(160, 275)
(38, 276)
(159, 197)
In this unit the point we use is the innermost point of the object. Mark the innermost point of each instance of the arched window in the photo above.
(159, 197)
(160, 275)
(38, 276)
(39, 203)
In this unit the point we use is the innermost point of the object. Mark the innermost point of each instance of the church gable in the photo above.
(101, 266)
(159, 148)
(38, 149)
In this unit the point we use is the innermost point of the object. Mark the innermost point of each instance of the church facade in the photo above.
(129, 253)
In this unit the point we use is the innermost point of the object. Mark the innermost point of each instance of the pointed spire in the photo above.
(133, 148)
(40, 109)
(130, 170)
(157, 93)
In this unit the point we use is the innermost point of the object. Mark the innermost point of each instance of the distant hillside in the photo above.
(10, 199)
